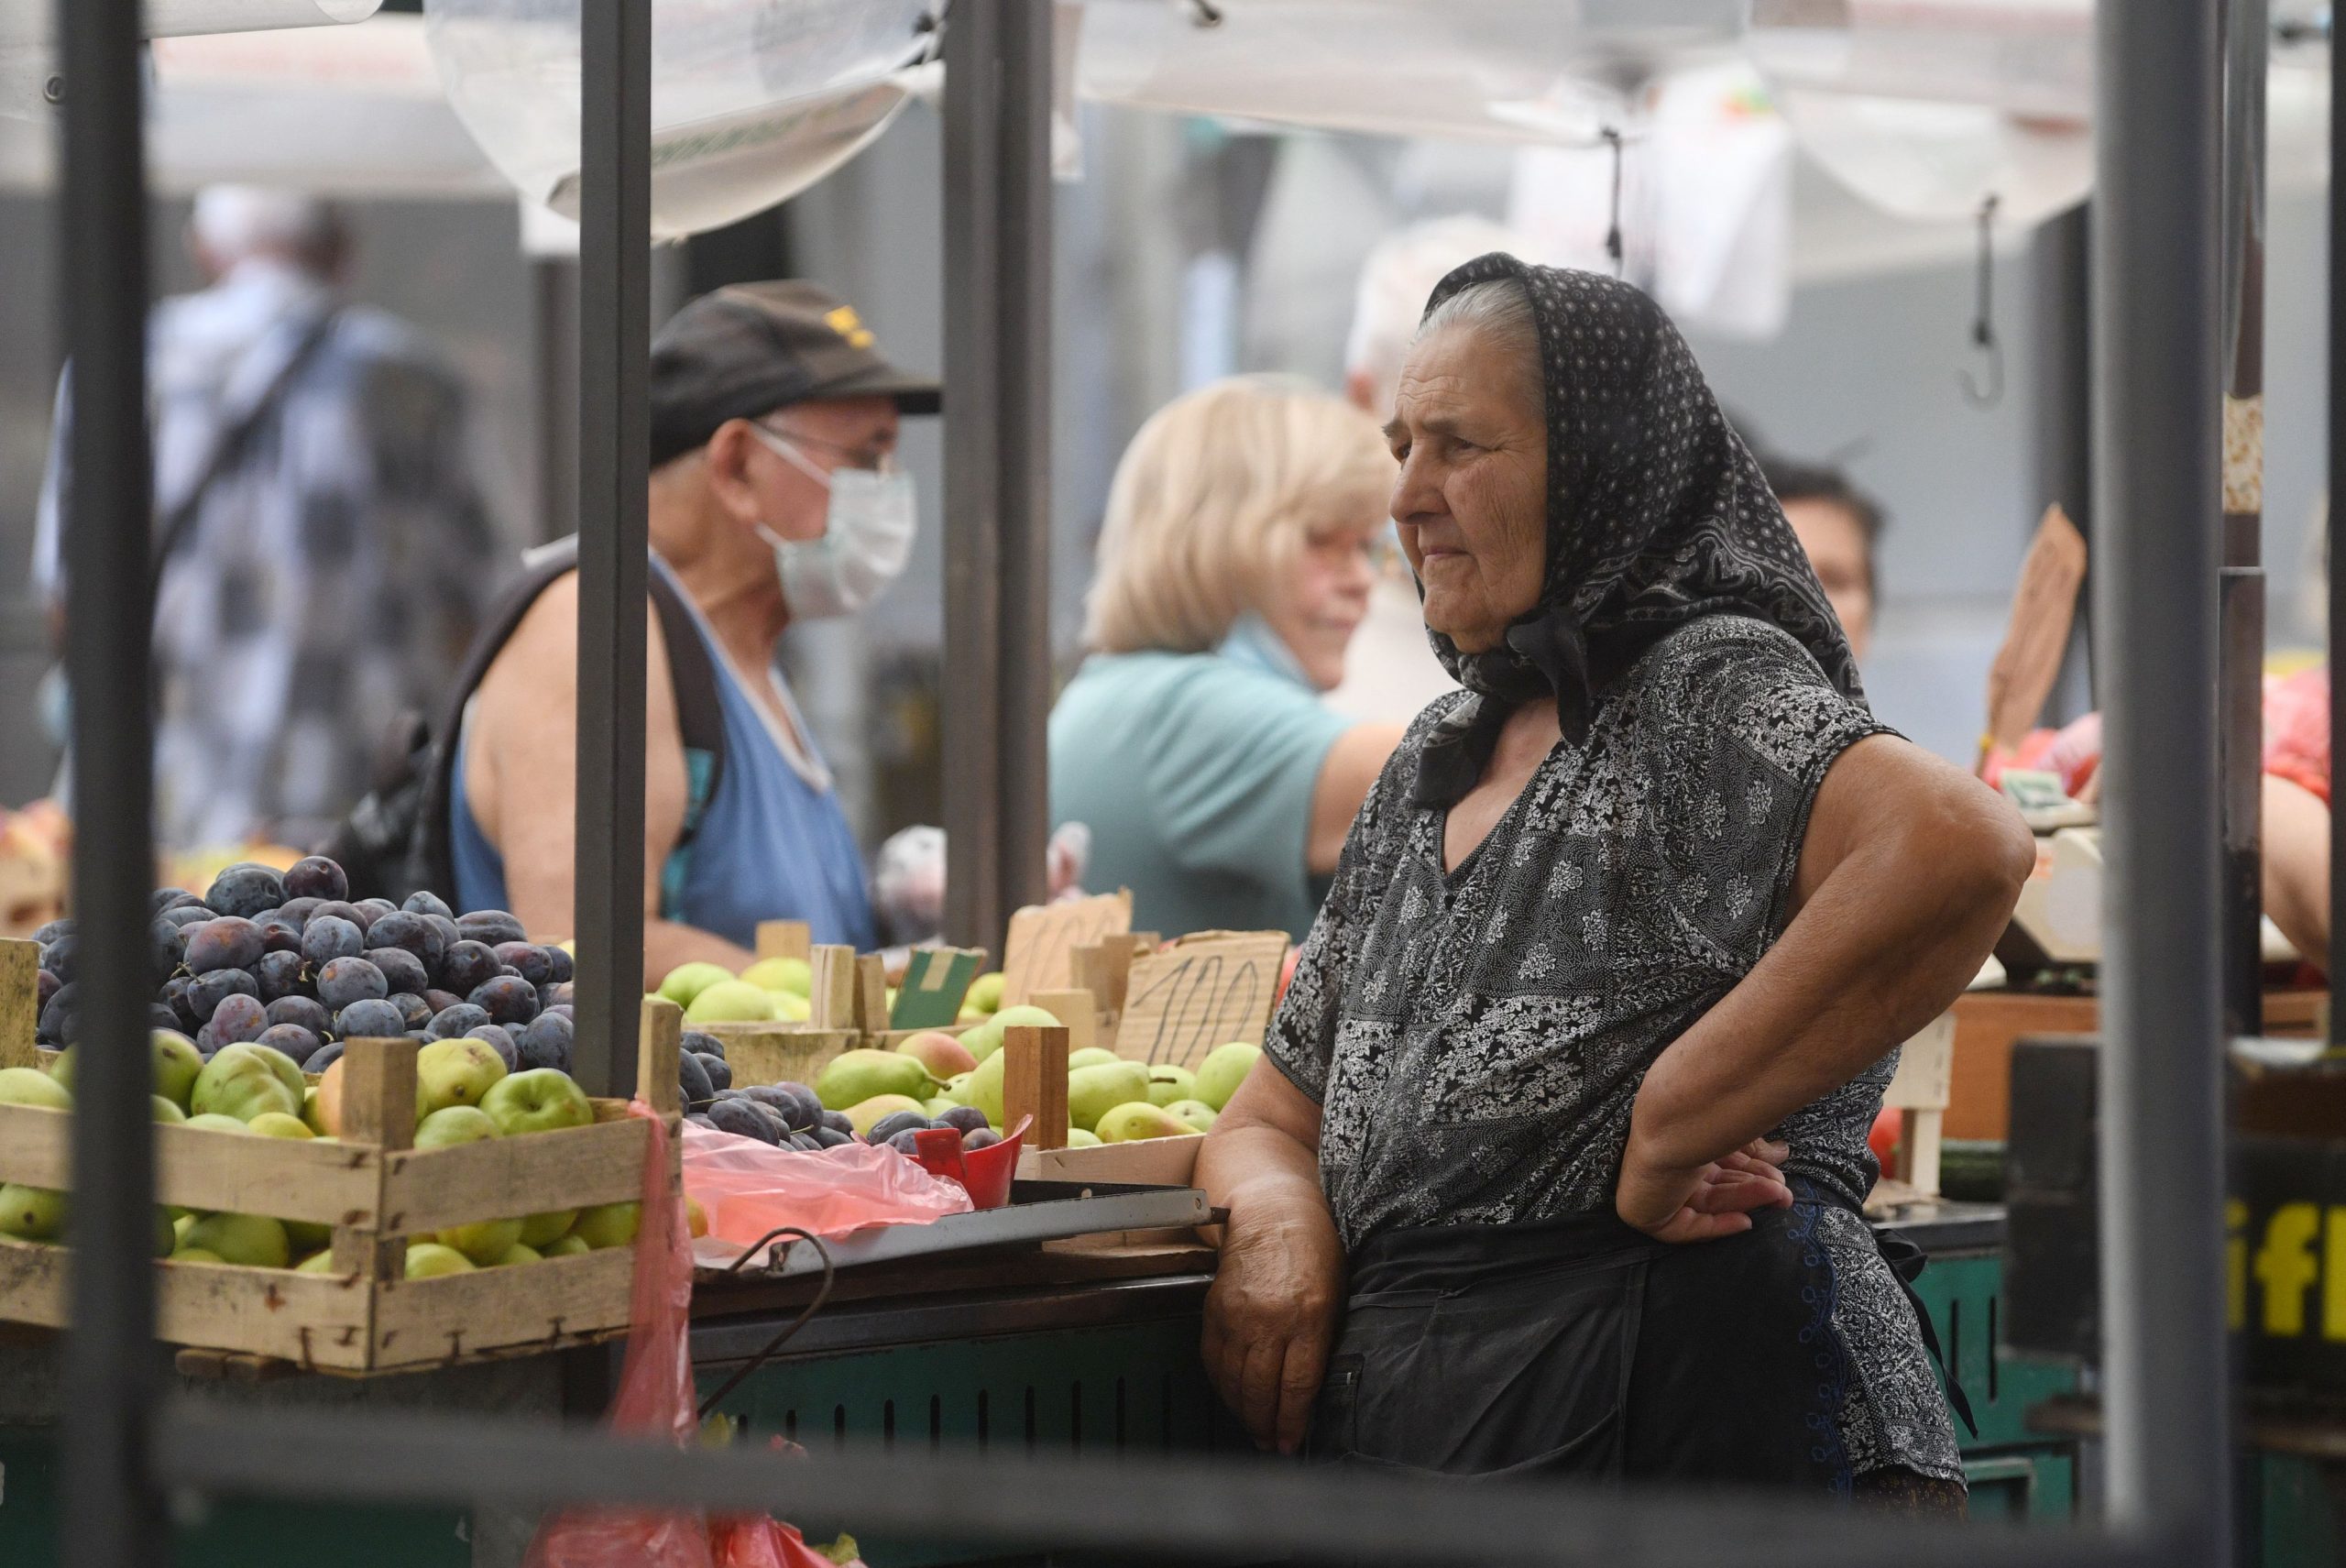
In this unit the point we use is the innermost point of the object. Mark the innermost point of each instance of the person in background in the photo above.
(1839, 526)
(324, 557)
(775, 498)
(1393, 673)
(1235, 565)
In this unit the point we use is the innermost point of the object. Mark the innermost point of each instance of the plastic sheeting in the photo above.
(751, 100)
(29, 21)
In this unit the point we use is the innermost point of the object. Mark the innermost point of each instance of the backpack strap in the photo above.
(700, 712)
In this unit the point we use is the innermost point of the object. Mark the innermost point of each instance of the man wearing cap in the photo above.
(774, 497)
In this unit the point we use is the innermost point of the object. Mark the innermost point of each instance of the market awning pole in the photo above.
(997, 461)
(113, 1512)
(2242, 608)
(2157, 375)
(614, 442)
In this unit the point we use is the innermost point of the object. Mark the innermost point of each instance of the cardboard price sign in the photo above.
(1204, 990)
(935, 979)
(1039, 954)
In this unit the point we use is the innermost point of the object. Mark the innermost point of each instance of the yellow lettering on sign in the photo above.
(2286, 1268)
(2333, 1277)
(2236, 1266)
(849, 325)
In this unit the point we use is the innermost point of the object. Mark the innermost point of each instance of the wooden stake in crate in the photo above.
(378, 1109)
(1077, 1010)
(1104, 969)
(786, 939)
(831, 1000)
(1034, 1084)
(871, 1003)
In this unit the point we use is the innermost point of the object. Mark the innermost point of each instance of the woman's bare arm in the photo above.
(1347, 774)
(1271, 1316)
(1909, 870)
(2296, 867)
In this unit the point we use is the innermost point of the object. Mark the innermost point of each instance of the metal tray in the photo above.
(1037, 1212)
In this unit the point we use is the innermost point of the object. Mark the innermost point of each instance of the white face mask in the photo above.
(867, 536)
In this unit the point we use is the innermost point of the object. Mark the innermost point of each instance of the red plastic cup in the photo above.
(985, 1174)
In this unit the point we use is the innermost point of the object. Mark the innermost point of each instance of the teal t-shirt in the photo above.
(1194, 773)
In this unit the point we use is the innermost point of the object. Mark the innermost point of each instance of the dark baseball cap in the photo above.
(751, 348)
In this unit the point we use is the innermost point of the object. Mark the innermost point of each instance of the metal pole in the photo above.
(2157, 372)
(997, 461)
(2330, 557)
(2240, 609)
(2060, 368)
(113, 1511)
(614, 443)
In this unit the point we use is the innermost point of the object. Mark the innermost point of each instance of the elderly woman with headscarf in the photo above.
(1555, 1161)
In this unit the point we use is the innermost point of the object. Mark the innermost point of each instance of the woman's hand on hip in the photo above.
(1271, 1318)
(1703, 1202)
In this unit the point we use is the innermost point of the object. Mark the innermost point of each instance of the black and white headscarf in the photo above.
(1658, 515)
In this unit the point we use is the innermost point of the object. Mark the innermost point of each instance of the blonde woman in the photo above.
(1235, 564)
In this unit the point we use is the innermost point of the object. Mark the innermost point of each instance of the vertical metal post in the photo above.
(113, 1505)
(2157, 373)
(2060, 367)
(2240, 609)
(2331, 559)
(997, 461)
(553, 291)
(614, 439)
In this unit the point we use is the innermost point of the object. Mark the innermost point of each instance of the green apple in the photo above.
(1224, 1068)
(686, 982)
(865, 1115)
(195, 1255)
(517, 1252)
(288, 1070)
(161, 1110)
(853, 1076)
(216, 1122)
(30, 1085)
(278, 1124)
(1196, 1112)
(795, 976)
(1131, 1122)
(731, 1002)
(455, 1073)
(319, 1262)
(253, 1241)
(430, 1260)
(565, 1246)
(239, 1081)
(541, 1231)
(484, 1241)
(608, 1225)
(454, 1124)
(31, 1214)
(985, 994)
(542, 1100)
(176, 1063)
(1093, 1092)
(1168, 1083)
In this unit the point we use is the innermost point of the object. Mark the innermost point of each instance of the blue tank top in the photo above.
(773, 844)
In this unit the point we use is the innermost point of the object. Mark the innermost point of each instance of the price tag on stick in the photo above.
(935, 981)
(1039, 954)
(1204, 990)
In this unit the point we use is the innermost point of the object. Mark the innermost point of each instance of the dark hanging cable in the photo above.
(1983, 320)
(1613, 227)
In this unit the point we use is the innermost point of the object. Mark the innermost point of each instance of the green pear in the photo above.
(865, 1115)
(853, 1076)
(454, 1124)
(240, 1081)
(455, 1073)
(195, 1255)
(565, 1246)
(430, 1260)
(31, 1214)
(176, 1063)
(686, 982)
(288, 1070)
(986, 1038)
(1132, 1123)
(608, 1225)
(1091, 1056)
(1076, 1138)
(162, 1110)
(30, 1085)
(789, 1008)
(484, 1241)
(1168, 1083)
(985, 993)
(217, 1122)
(541, 1231)
(253, 1241)
(517, 1253)
(731, 1002)
(1224, 1068)
(167, 1234)
(795, 976)
(320, 1262)
(278, 1124)
(983, 1089)
(1196, 1112)
(1093, 1092)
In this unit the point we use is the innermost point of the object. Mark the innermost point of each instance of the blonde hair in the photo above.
(1213, 500)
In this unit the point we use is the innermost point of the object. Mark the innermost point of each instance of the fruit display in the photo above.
(464, 1093)
(282, 959)
(780, 991)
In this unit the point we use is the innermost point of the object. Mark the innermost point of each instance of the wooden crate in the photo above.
(374, 1190)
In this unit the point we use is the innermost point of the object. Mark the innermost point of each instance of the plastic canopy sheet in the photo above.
(751, 100)
(1507, 69)
(27, 21)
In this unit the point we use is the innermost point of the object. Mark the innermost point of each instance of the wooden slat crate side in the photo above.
(498, 1178)
(308, 1319)
(777, 1055)
(425, 1322)
(197, 1168)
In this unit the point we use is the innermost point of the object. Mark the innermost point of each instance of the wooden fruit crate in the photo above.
(848, 1011)
(374, 1190)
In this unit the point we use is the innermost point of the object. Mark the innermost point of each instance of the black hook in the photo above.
(1205, 14)
(1613, 228)
(1983, 320)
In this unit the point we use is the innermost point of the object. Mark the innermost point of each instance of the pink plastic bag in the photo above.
(749, 1189)
(755, 1542)
(655, 1394)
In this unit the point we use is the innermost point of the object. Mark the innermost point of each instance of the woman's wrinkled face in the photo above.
(1472, 499)
(1322, 598)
